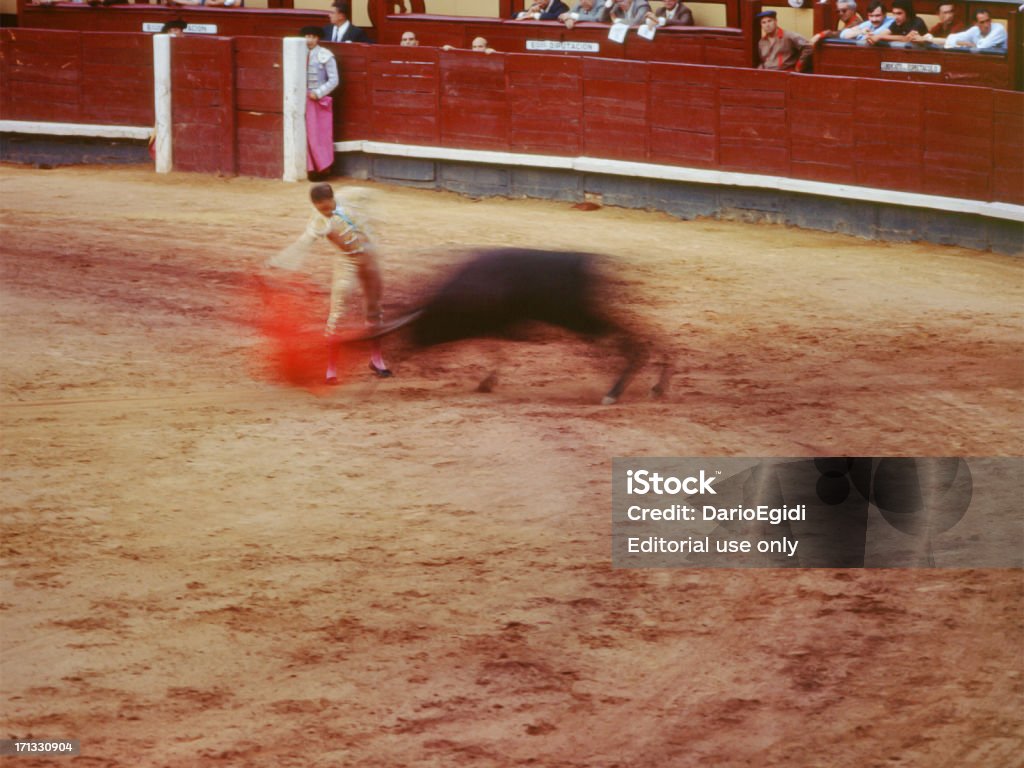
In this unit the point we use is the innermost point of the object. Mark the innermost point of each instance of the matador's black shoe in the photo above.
(381, 373)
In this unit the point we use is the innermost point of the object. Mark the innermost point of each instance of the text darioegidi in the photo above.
(762, 513)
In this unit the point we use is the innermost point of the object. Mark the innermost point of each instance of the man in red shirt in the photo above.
(778, 49)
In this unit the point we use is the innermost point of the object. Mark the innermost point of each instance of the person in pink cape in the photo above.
(321, 80)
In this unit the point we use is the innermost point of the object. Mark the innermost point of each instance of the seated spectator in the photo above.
(984, 35)
(208, 3)
(846, 10)
(673, 14)
(585, 10)
(543, 10)
(631, 12)
(174, 28)
(947, 23)
(479, 45)
(877, 23)
(906, 26)
(409, 38)
(341, 29)
(778, 49)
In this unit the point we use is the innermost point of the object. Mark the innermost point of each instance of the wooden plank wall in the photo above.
(259, 106)
(66, 77)
(935, 139)
(203, 104)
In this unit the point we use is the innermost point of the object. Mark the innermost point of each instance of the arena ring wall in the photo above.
(732, 143)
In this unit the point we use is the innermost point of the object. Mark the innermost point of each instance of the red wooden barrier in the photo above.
(940, 140)
(65, 77)
(474, 102)
(1008, 162)
(259, 106)
(683, 115)
(203, 104)
(545, 104)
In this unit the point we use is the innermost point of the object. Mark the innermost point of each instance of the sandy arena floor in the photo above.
(204, 568)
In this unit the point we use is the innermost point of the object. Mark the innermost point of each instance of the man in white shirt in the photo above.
(983, 35)
(341, 29)
(543, 10)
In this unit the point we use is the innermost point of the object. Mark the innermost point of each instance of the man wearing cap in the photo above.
(778, 49)
(321, 80)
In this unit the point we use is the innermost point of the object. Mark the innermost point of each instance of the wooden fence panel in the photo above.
(203, 104)
(683, 115)
(473, 101)
(888, 135)
(401, 92)
(615, 109)
(1007, 147)
(545, 104)
(820, 113)
(753, 126)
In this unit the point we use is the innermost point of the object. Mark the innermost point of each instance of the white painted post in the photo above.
(162, 102)
(294, 73)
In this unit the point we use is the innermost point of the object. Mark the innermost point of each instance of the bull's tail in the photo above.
(382, 330)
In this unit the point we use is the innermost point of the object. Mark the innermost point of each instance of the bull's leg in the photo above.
(661, 386)
(636, 354)
(495, 350)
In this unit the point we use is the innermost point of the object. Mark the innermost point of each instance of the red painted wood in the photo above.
(203, 107)
(260, 144)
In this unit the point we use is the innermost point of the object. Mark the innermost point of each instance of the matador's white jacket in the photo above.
(345, 260)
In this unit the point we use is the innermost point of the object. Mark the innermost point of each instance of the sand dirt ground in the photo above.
(205, 568)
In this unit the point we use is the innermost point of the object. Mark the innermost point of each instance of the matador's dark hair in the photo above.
(321, 192)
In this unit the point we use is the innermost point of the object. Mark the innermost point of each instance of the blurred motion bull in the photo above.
(498, 293)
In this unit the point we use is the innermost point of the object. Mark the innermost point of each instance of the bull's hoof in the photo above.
(657, 391)
(609, 400)
(488, 384)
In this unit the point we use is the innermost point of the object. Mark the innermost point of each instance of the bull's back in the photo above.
(497, 291)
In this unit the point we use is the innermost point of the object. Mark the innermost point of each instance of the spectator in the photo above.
(479, 45)
(984, 35)
(906, 26)
(223, 3)
(341, 29)
(631, 12)
(877, 23)
(174, 28)
(947, 23)
(585, 10)
(321, 80)
(543, 10)
(778, 49)
(848, 17)
(409, 38)
(673, 14)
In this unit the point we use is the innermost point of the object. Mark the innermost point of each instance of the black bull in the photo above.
(497, 293)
